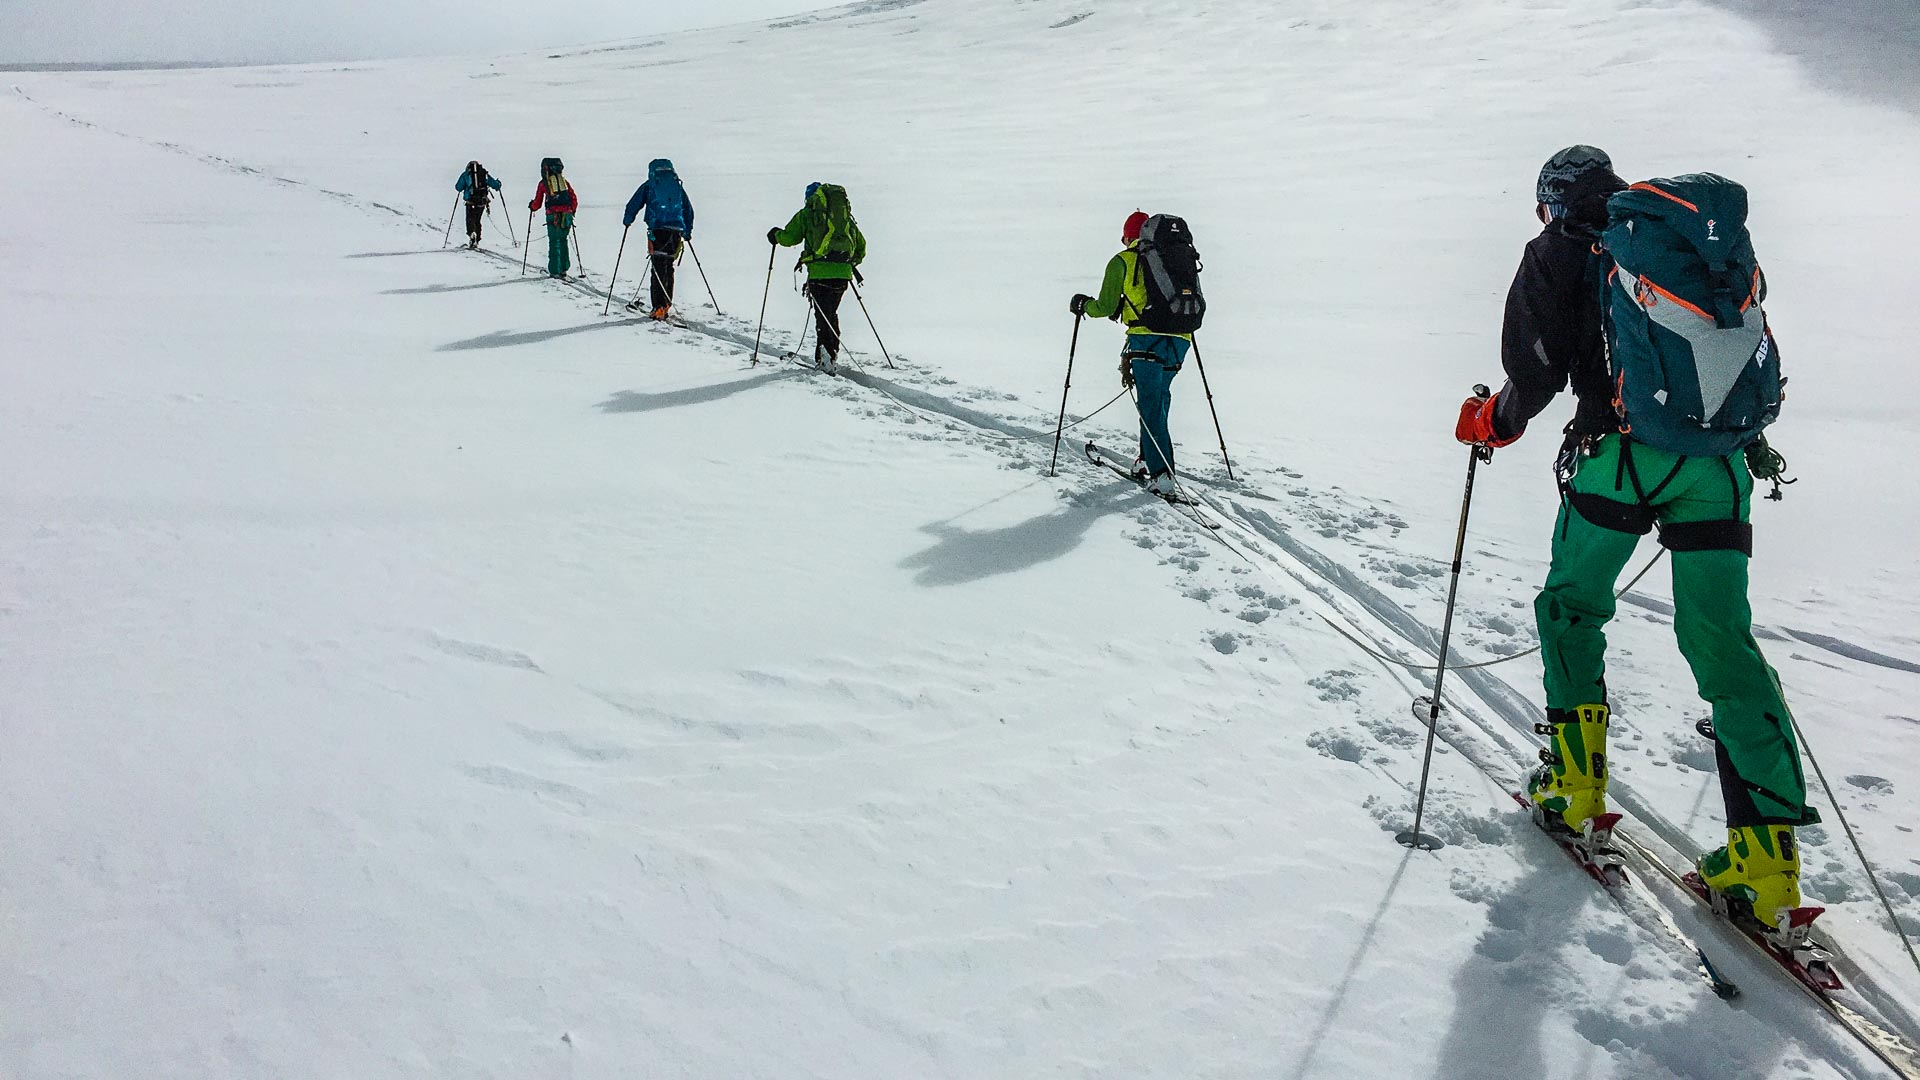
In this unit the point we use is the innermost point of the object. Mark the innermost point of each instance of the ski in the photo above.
(1895, 1051)
(1186, 506)
(1595, 852)
(1791, 945)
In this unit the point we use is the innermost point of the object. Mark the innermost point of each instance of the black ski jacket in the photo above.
(1554, 333)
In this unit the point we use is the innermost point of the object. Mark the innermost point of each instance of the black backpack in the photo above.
(477, 189)
(1170, 267)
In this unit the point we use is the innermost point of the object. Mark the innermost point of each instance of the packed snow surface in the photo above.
(407, 670)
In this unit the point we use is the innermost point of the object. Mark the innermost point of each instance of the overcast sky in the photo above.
(93, 31)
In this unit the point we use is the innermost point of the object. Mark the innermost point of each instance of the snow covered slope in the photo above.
(408, 671)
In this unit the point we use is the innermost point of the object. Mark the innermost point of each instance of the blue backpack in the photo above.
(666, 198)
(1696, 371)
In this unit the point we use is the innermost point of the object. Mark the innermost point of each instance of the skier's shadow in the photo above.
(434, 290)
(1521, 979)
(1515, 978)
(961, 555)
(506, 339)
(636, 401)
(395, 254)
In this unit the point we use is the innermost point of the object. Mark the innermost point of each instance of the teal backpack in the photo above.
(1696, 371)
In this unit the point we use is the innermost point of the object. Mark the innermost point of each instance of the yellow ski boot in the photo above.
(1572, 779)
(1760, 868)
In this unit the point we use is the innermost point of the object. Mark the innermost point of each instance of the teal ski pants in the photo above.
(558, 260)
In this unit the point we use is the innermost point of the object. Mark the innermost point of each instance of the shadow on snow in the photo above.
(428, 290)
(961, 555)
(506, 339)
(636, 401)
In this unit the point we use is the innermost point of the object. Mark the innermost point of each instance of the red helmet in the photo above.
(1131, 230)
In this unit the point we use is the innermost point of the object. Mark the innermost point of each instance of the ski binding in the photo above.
(1790, 943)
(1592, 847)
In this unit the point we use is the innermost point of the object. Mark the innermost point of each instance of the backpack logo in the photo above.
(1711, 226)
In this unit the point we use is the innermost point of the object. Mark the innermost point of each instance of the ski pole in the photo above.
(528, 247)
(579, 260)
(1413, 837)
(1060, 428)
(863, 310)
(616, 269)
(506, 217)
(654, 273)
(448, 239)
(703, 278)
(773, 252)
(1202, 365)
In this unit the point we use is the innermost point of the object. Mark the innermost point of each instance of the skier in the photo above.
(1617, 482)
(476, 187)
(832, 247)
(1149, 360)
(561, 203)
(669, 218)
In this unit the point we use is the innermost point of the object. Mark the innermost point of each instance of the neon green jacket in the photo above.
(1123, 294)
(821, 270)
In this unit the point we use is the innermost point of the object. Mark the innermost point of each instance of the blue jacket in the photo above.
(665, 199)
(466, 181)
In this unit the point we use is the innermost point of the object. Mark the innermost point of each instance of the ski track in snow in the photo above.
(1269, 528)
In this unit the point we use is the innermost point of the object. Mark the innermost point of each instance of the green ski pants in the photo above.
(558, 226)
(1701, 505)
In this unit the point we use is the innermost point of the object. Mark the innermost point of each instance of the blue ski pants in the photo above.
(1156, 359)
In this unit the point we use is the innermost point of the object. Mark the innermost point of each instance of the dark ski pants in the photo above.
(663, 248)
(825, 294)
(1156, 359)
(558, 259)
(475, 211)
(1701, 505)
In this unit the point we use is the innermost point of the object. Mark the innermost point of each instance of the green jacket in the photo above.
(1123, 294)
(820, 270)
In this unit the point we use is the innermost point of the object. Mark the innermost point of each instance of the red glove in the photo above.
(1476, 423)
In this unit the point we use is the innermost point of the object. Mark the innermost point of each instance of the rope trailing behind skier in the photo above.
(1509, 658)
(1001, 436)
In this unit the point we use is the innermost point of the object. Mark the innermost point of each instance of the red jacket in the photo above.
(566, 202)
